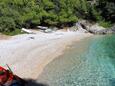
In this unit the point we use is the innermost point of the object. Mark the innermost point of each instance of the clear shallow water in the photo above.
(90, 62)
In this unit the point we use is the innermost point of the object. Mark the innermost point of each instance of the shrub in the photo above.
(105, 24)
(7, 24)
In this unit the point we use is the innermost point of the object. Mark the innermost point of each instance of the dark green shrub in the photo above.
(7, 24)
(105, 24)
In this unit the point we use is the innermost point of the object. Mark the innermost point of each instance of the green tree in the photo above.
(30, 13)
(107, 8)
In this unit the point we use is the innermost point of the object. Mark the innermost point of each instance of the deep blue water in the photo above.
(90, 62)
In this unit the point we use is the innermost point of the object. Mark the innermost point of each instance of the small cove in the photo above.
(90, 62)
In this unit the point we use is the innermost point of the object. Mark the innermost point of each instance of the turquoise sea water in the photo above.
(90, 62)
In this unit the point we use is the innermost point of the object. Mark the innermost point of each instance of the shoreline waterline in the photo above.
(91, 64)
(29, 56)
(80, 45)
(65, 48)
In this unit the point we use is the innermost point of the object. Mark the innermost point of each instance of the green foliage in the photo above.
(105, 24)
(66, 12)
(107, 9)
(14, 32)
(95, 14)
(30, 13)
(6, 24)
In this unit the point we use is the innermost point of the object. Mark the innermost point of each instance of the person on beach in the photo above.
(8, 79)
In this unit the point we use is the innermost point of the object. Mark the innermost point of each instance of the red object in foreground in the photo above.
(5, 76)
(8, 79)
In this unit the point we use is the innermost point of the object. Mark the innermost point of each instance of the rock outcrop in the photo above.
(95, 28)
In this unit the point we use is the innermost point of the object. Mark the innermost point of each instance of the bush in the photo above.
(105, 24)
(7, 24)
(15, 32)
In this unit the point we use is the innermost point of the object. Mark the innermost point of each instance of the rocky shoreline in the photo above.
(95, 28)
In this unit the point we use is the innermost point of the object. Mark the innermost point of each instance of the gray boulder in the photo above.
(95, 28)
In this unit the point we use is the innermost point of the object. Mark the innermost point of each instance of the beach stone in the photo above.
(48, 30)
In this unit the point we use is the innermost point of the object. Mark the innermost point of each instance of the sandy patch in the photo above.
(4, 37)
(28, 54)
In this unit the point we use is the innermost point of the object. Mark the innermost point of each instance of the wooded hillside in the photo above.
(15, 14)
